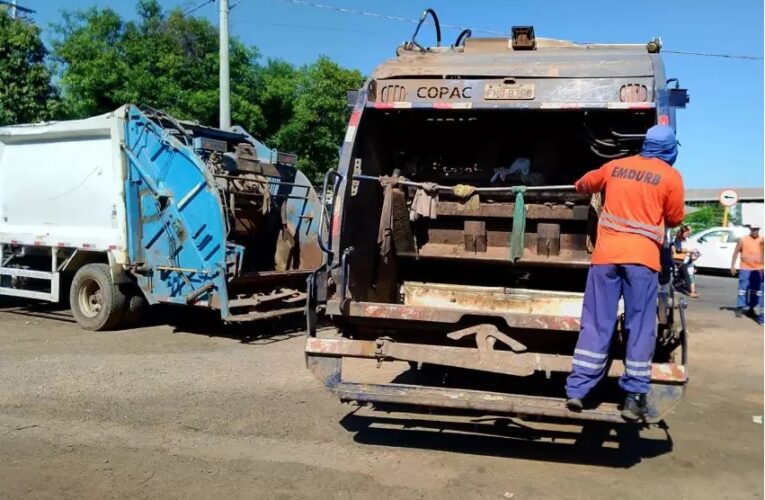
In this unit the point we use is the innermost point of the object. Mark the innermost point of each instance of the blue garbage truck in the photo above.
(135, 207)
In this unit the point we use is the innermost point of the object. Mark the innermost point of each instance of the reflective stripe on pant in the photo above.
(750, 284)
(605, 286)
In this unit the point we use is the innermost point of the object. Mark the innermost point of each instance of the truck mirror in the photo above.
(353, 97)
(678, 98)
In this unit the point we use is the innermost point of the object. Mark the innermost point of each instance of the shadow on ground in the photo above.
(590, 443)
(181, 319)
(203, 322)
(35, 309)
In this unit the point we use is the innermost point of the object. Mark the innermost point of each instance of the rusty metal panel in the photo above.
(661, 399)
(535, 92)
(548, 239)
(561, 63)
(397, 312)
(481, 299)
(340, 347)
(505, 211)
(482, 358)
(570, 259)
(475, 236)
(403, 237)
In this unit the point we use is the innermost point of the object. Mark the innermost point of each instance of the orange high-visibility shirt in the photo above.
(643, 196)
(751, 252)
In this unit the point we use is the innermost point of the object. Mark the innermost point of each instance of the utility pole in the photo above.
(225, 84)
(15, 8)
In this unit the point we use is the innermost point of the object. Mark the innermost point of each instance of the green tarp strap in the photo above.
(518, 236)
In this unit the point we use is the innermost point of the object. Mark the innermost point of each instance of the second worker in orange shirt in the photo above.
(643, 197)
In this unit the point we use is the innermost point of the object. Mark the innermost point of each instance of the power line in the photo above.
(194, 9)
(711, 54)
(490, 32)
(308, 27)
(385, 16)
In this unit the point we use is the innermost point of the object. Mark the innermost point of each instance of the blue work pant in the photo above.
(606, 284)
(749, 289)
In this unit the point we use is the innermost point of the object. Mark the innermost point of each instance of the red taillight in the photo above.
(663, 120)
(336, 220)
(355, 117)
(633, 93)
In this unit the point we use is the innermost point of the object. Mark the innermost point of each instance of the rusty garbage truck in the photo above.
(456, 248)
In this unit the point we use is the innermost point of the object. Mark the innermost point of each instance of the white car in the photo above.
(716, 246)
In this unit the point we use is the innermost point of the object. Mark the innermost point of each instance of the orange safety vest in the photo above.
(751, 252)
(642, 195)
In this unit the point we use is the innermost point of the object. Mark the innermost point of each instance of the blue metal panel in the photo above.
(177, 230)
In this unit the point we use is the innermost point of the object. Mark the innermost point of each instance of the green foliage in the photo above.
(277, 90)
(163, 60)
(705, 217)
(26, 94)
(321, 114)
(167, 60)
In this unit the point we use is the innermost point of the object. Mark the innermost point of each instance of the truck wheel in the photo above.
(96, 301)
(136, 306)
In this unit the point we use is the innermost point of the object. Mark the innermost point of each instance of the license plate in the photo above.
(508, 91)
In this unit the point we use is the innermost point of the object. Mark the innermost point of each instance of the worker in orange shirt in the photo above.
(750, 248)
(643, 196)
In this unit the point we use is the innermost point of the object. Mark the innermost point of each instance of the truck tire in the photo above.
(97, 302)
(136, 306)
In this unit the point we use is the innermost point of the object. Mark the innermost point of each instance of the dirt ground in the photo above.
(201, 411)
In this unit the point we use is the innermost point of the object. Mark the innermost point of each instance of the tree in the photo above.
(26, 93)
(163, 60)
(705, 217)
(276, 90)
(169, 61)
(321, 114)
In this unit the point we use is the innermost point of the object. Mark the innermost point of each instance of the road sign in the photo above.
(728, 197)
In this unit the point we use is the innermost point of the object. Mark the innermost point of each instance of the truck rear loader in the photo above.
(457, 248)
(136, 207)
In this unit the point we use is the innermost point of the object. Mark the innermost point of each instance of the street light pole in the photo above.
(225, 85)
(15, 8)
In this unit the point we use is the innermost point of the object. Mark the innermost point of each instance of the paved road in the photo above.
(716, 291)
(200, 411)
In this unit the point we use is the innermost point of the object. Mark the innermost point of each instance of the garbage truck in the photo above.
(135, 207)
(457, 248)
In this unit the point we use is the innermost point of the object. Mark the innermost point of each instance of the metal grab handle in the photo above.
(503, 189)
(432, 13)
(684, 326)
(464, 35)
(327, 248)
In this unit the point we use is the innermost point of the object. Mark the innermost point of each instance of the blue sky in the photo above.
(721, 131)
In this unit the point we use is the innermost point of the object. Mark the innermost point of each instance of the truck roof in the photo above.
(495, 57)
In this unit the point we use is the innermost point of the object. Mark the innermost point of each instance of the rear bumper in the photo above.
(432, 327)
(661, 399)
(324, 357)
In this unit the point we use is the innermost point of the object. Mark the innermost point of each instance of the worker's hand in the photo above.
(733, 270)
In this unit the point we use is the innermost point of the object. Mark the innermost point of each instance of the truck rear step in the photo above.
(490, 402)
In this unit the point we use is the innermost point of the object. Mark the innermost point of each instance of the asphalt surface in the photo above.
(195, 410)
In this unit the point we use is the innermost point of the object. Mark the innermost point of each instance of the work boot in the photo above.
(574, 404)
(739, 312)
(635, 407)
